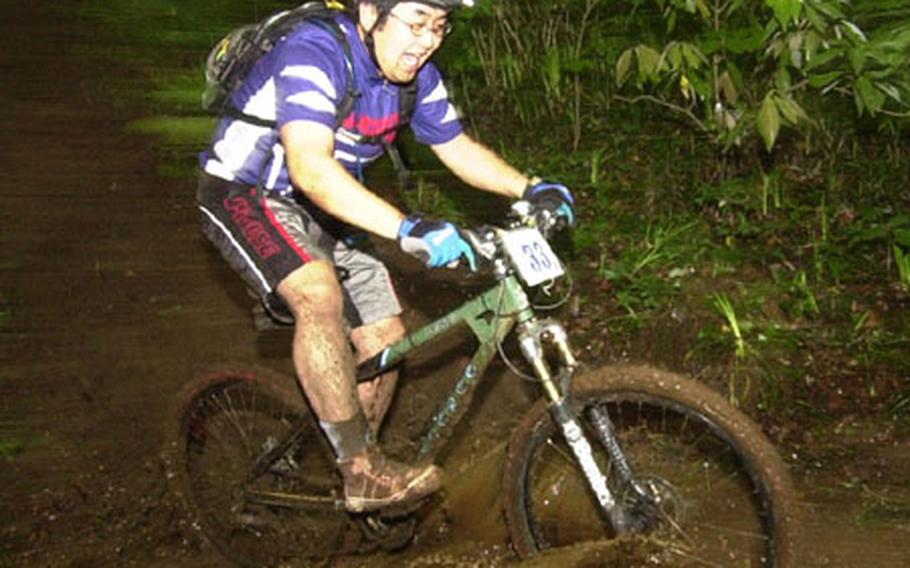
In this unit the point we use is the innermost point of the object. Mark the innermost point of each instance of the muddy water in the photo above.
(114, 301)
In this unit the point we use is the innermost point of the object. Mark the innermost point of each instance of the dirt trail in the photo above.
(115, 301)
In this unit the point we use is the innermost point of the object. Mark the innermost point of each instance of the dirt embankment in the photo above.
(111, 298)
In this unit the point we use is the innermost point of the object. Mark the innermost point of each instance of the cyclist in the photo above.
(279, 202)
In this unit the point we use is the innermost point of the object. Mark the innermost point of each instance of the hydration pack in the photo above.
(231, 59)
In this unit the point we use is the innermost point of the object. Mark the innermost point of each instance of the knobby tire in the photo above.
(224, 420)
(728, 499)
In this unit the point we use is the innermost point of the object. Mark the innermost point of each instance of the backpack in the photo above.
(232, 58)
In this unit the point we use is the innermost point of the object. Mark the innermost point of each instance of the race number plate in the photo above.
(532, 256)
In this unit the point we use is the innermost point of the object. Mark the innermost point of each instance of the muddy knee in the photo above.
(312, 292)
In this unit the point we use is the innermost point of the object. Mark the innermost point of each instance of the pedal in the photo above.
(399, 510)
(390, 534)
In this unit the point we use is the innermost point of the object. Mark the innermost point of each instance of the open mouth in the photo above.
(411, 61)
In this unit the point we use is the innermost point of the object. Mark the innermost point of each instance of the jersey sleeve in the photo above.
(310, 79)
(435, 119)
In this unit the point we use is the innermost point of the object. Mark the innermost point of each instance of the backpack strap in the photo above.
(407, 95)
(349, 101)
(407, 101)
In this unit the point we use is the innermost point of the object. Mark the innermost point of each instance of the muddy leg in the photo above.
(322, 355)
(376, 395)
(325, 367)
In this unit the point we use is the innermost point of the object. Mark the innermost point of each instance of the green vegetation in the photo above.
(732, 72)
(773, 134)
(11, 444)
(174, 131)
(10, 448)
(741, 169)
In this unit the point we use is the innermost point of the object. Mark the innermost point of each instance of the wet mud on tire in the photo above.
(709, 459)
(225, 420)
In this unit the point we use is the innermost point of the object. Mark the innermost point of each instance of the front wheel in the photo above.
(717, 492)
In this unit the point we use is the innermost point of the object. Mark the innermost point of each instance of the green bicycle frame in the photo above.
(490, 316)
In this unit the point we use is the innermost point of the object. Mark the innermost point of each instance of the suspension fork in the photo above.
(532, 337)
(606, 435)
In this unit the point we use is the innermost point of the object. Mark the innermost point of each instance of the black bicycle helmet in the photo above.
(447, 5)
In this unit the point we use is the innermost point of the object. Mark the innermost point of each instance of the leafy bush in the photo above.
(736, 71)
(738, 68)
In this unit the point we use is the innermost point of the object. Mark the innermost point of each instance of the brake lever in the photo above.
(527, 215)
(483, 240)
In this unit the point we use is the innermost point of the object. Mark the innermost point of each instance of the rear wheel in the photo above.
(284, 508)
(717, 492)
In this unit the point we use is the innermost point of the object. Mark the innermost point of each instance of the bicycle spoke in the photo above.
(704, 504)
(277, 515)
(225, 405)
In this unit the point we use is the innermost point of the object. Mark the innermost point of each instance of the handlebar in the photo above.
(486, 239)
(523, 214)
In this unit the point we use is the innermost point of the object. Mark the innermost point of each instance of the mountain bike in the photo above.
(604, 453)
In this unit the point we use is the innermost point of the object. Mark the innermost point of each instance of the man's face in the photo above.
(407, 39)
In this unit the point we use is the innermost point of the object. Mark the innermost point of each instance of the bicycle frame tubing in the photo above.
(490, 316)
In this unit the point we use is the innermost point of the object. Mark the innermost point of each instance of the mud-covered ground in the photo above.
(110, 301)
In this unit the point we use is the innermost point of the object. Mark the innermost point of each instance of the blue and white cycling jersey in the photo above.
(304, 78)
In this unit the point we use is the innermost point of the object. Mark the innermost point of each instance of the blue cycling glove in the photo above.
(553, 197)
(436, 243)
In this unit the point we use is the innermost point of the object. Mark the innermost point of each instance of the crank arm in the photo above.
(292, 500)
(265, 460)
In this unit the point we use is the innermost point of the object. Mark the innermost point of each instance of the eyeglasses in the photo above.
(440, 28)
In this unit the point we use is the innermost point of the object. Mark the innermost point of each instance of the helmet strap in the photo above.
(381, 17)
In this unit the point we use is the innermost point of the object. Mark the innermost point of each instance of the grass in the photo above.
(11, 445)
(813, 265)
(431, 198)
(177, 92)
(11, 448)
(886, 510)
(902, 263)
